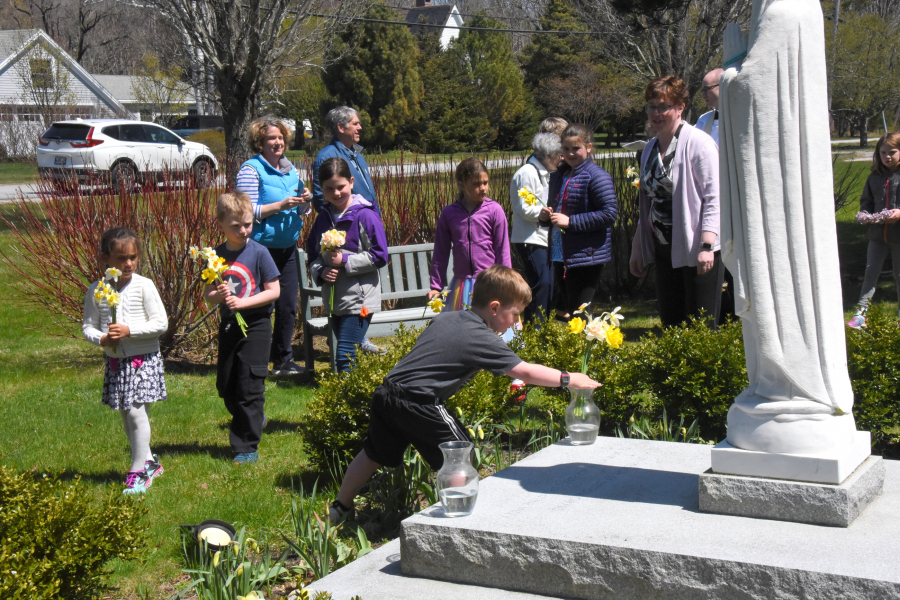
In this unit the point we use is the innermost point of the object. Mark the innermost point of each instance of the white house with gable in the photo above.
(41, 82)
(425, 17)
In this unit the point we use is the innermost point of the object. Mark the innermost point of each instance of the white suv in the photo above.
(128, 151)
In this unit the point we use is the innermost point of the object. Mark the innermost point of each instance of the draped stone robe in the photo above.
(778, 234)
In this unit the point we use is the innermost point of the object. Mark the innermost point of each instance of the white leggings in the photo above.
(137, 428)
(877, 252)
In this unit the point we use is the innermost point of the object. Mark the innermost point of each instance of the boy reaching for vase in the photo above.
(408, 407)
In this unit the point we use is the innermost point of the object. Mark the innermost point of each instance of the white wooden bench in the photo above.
(405, 276)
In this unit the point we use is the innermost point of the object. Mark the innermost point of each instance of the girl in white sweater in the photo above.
(130, 335)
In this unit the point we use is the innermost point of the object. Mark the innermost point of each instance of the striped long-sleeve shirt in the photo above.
(248, 182)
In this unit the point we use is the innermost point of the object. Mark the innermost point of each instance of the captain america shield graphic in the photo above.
(239, 280)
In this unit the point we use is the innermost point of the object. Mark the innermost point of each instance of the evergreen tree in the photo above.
(449, 123)
(549, 55)
(487, 59)
(375, 71)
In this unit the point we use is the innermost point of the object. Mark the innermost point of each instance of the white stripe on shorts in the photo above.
(453, 426)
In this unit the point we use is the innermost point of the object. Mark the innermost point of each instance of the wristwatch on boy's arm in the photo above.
(564, 379)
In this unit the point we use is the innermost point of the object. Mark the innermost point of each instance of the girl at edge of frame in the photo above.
(134, 374)
(582, 207)
(879, 195)
(475, 230)
(352, 272)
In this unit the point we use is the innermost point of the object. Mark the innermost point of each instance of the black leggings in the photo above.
(682, 292)
(574, 286)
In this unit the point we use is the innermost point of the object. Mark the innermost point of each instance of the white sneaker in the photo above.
(337, 512)
(367, 346)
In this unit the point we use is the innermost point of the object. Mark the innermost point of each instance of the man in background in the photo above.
(709, 122)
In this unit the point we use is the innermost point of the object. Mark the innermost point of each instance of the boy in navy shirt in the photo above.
(250, 287)
(408, 408)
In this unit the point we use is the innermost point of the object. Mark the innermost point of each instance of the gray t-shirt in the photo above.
(451, 350)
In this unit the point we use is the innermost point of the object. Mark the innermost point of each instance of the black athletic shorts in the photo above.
(399, 419)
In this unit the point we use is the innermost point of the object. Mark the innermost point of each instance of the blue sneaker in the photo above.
(246, 458)
(136, 482)
(857, 322)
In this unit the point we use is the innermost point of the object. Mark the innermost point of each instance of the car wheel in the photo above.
(124, 176)
(204, 174)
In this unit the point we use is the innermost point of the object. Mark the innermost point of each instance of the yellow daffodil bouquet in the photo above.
(604, 328)
(107, 293)
(215, 266)
(529, 197)
(331, 241)
(437, 303)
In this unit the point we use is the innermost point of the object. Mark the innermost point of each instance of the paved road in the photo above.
(8, 193)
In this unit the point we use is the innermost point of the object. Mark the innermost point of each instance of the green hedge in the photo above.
(873, 358)
(688, 370)
(56, 537)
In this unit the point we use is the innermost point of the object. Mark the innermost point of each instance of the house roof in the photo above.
(12, 40)
(122, 87)
(117, 85)
(432, 15)
(16, 43)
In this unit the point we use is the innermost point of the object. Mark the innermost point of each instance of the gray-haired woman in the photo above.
(528, 195)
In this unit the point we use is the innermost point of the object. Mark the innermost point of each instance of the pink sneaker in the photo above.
(857, 322)
(153, 469)
(136, 482)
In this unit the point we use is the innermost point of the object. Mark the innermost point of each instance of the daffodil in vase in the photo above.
(582, 415)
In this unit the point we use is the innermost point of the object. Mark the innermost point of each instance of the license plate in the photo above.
(59, 160)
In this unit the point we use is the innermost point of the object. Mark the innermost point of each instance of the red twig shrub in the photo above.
(412, 191)
(58, 239)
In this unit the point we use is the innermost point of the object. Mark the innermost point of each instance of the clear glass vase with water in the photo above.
(457, 479)
(582, 417)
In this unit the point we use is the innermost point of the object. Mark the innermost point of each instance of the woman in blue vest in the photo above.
(273, 185)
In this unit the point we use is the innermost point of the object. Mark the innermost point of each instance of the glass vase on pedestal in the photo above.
(457, 479)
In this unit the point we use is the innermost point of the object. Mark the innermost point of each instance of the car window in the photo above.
(67, 131)
(132, 133)
(158, 135)
(112, 131)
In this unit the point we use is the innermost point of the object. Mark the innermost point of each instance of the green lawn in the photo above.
(15, 172)
(53, 421)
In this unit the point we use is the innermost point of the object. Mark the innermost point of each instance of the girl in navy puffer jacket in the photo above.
(582, 209)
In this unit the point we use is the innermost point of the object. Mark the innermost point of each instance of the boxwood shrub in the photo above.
(873, 358)
(57, 536)
(687, 370)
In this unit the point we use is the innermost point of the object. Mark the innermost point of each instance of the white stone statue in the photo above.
(778, 234)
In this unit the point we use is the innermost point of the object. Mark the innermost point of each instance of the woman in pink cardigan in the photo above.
(678, 228)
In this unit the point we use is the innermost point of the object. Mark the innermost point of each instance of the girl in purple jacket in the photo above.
(474, 228)
(351, 287)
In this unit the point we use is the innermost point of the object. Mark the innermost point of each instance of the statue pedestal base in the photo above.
(837, 505)
(830, 467)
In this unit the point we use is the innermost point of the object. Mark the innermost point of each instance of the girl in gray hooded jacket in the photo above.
(351, 287)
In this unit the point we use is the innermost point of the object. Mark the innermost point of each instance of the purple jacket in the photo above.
(478, 240)
(365, 250)
(590, 202)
